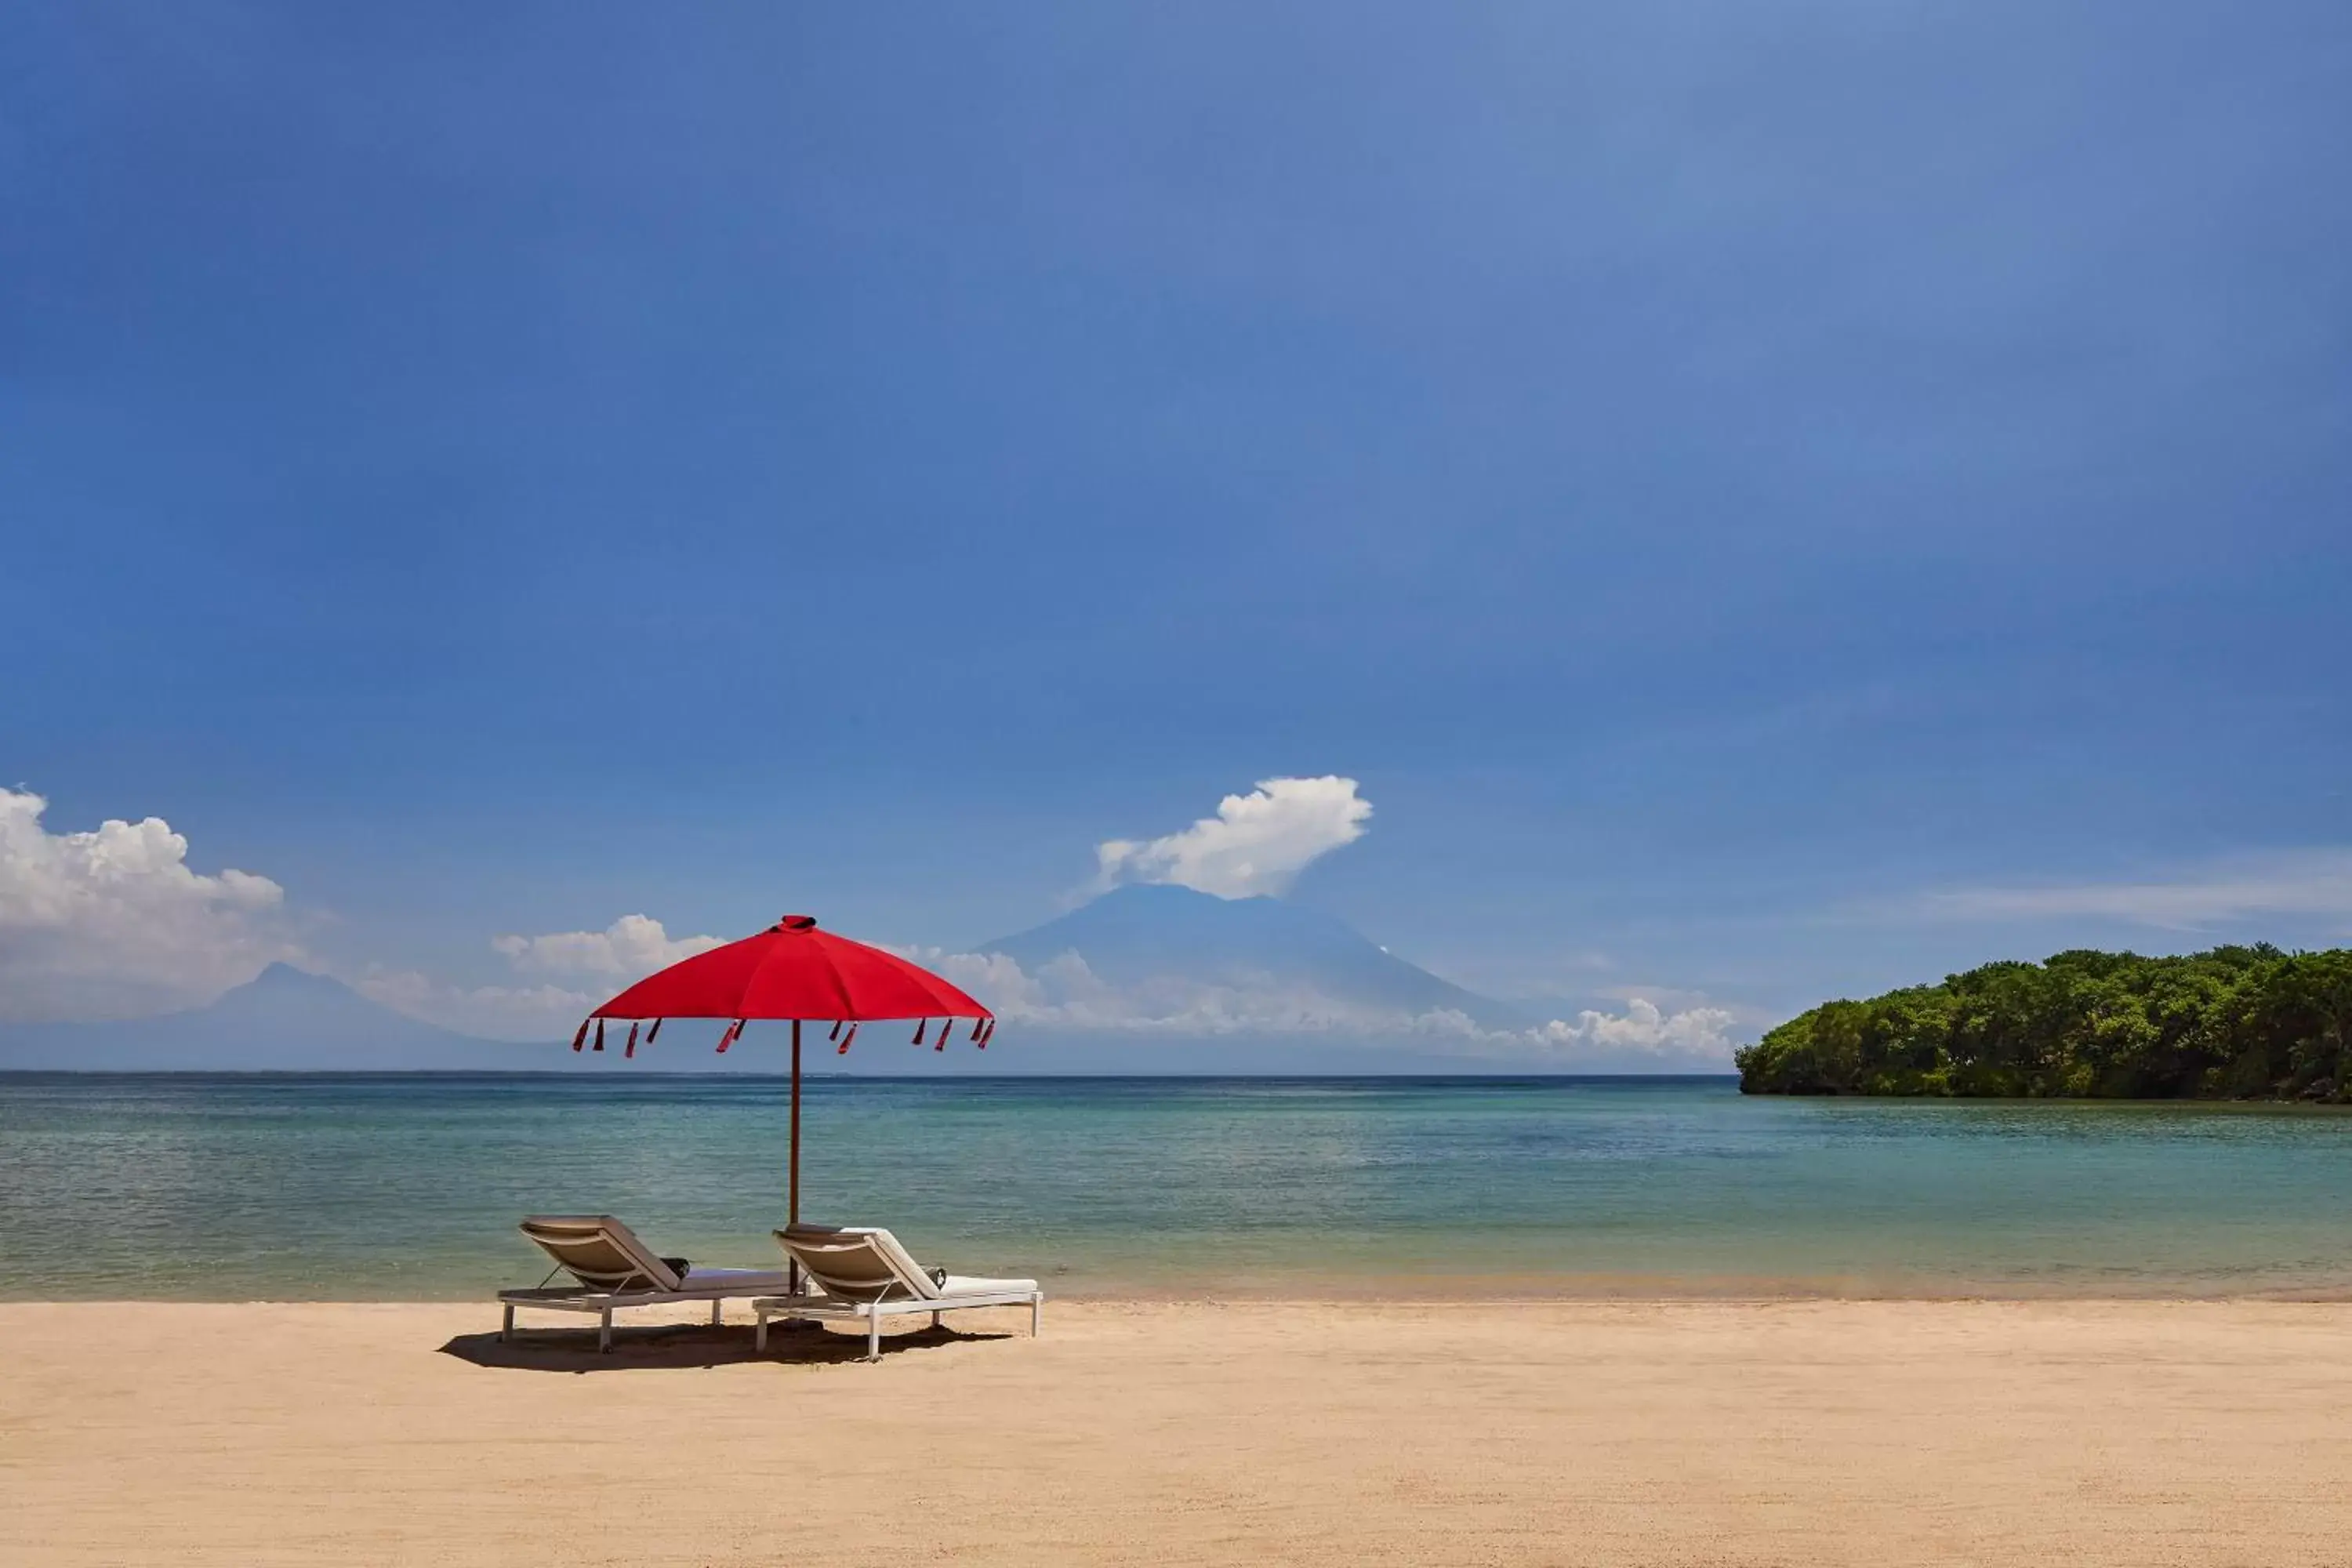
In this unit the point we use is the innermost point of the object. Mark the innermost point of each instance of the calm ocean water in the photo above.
(396, 1187)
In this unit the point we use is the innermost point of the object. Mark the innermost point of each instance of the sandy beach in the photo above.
(1561, 1432)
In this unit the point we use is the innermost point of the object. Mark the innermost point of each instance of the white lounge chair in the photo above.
(866, 1276)
(614, 1270)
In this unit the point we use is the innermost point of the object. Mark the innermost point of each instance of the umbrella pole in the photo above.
(793, 1209)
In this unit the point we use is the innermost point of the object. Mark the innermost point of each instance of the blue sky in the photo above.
(1767, 501)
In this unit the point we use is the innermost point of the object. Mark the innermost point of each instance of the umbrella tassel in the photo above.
(844, 1044)
(630, 1050)
(727, 1038)
(652, 1032)
(581, 1038)
(600, 1034)
(975, 1031)
(836, 1030)
(921, 1025)
(988, 1033)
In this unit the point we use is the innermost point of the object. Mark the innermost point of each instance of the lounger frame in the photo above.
(892, 1286)
(872, 1313)
(605, 1303)
(640, 1280)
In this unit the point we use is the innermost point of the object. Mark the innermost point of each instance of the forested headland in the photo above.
(2236, 1022)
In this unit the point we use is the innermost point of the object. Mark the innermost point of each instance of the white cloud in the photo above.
(1643, 1037)
(595, 963)
(113, 923)
(2298, 882)
(491, 1012)
(1064, 991)
(1257, 843)
(630, 948)
(1643, 1027)
(1066, 994)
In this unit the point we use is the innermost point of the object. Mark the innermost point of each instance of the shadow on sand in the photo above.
(685, 1345)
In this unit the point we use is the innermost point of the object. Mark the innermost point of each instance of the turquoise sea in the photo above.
(407, 1186)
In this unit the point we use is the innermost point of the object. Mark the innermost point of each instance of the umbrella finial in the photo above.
(796, 923)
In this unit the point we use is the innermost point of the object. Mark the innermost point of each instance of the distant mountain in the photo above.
(282, 1020)
(1152, 937)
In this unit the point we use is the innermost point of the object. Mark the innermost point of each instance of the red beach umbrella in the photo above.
(792, 970)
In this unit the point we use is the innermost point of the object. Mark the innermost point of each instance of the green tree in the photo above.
(2235, 1022)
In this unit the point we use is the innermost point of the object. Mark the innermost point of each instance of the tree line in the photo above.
(2235, 1023)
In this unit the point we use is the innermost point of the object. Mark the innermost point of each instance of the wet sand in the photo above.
(1542, 1432)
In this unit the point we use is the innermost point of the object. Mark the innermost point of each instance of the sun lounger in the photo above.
(614, 1270)
(866, 1276)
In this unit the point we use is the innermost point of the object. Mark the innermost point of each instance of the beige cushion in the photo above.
(735, 1281)
(600, 1252)
(967, 1285)
(846, 1262)
(866, 1263)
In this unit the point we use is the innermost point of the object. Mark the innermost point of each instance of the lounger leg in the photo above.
(935, 1320)
(872, 1334)
(760, 1333)
(1036, 1313)
(506, 1329)
(714, 1314)
(604, 1332)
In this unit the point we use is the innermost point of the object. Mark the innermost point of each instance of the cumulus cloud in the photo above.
(1066, 993)
(575, 970)
(113, 923)
(2297, 882)
(1257, 843)
(1644, 1026)
(544, 1012)
(628, 949)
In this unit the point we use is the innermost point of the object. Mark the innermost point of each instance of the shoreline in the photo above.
(1727, 1431)
(1456, 1289)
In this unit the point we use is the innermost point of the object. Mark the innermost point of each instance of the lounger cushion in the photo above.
(736, 1279)
(966, 1285)
(868, 1263)
(600, 1252)
(846, 1264)
(605, 1256)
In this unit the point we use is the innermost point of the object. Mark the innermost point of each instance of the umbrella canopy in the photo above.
(792, 970)
(796, 972)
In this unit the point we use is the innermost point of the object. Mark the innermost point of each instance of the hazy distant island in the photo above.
(2235, 1023)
